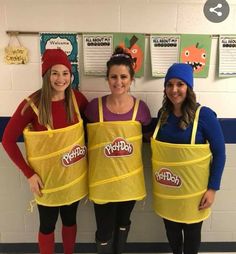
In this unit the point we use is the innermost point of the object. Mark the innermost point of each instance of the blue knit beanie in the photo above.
(180, 71)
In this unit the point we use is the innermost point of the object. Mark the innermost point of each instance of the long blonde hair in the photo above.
(188, 109)
(43, 99)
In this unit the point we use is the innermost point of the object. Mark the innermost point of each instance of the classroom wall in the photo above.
(17, 225)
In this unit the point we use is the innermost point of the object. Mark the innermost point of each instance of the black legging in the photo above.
(48, 216)
(183, 238)
(112, 215)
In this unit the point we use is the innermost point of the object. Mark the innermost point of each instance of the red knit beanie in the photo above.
(52, 57)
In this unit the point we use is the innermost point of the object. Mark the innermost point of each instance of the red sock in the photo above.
(46, 243)
(68, 237)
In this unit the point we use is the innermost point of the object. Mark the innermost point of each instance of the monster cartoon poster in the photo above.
(195, 50)
(68, 42)
(134, 44)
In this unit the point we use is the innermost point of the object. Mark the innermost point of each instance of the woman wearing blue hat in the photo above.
(188, 157)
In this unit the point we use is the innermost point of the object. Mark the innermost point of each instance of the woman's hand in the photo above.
(36, 184)
(207, 199)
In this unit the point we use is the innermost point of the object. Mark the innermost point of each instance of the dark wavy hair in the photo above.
(121, 57)
(188, 109)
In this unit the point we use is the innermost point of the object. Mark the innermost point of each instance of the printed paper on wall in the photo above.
(227, 56)
(164, 52)
(196, 50)
(97, 50)
(68, 42)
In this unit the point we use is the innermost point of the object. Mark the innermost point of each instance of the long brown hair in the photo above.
(43, 99)
(188, 109)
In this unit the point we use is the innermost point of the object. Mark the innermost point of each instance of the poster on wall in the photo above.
(68, 42)
(135, 45)
(227, 56)
(97, 50)
(164, 52)
(196, 50)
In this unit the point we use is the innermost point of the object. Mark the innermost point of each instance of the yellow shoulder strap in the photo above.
(76, 106)
(195, 124)
(157, 128)
(100, 109)
(36, 111)
(135, 109)
(194, 130)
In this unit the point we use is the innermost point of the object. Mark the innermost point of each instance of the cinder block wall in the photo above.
(146, 16)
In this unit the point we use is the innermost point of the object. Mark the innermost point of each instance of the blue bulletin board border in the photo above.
(71, 37)
(65, 41)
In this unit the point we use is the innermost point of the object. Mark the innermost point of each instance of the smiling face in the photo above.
(176, 91)
(60, 79)
(119, 79)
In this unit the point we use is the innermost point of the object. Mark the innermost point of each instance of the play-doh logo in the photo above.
(77, 153)
(118, 148)
(165, 177)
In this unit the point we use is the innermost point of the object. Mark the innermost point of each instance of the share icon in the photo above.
(216, 11)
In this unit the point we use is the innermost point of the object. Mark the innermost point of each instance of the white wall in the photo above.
(146, 16)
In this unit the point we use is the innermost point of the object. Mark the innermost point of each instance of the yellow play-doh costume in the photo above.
(59, 158)
(180, 177)
(115, 160)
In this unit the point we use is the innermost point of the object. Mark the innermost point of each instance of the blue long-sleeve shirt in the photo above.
(209, 130)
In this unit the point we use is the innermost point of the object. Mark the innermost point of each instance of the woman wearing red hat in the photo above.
(56, 166)
(188, 157)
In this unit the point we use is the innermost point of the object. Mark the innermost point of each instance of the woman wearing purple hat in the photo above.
(188, 157)
(56, 166)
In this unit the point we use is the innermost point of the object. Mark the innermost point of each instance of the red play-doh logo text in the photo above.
(76, 154)
(166, 177)
(118, 148)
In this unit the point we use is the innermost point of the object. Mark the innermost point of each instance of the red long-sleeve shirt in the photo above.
(18, 122)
